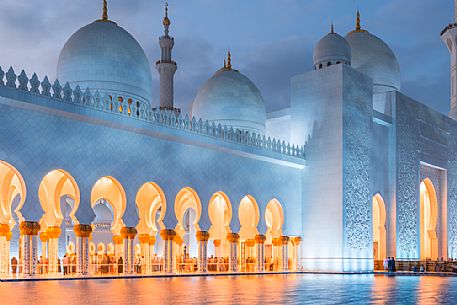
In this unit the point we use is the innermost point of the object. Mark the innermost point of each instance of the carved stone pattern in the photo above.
(407, 180)
(357, 129)
(452, 195)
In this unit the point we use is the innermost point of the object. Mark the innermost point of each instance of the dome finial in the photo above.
(357, 25)
(105, 10)
(166, 21)
(229, 60)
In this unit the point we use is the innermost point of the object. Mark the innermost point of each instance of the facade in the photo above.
(352, 172)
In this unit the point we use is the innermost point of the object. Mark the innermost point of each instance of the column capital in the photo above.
(152, 240)
(297, 240)
(217, 242)
(53, 232)
(167, 234)
(82, 230)
(128, 232)
(144, 238)
(202, 236)
(44, 237)
(249, 242)
(260, 239)
(178, 239)
(9, 235)
(4, 229)
(29, 228)
(117, 239)
(275, 241)
(284, 240)
(233, 237)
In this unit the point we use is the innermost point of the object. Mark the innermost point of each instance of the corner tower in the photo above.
(166, 66)
(449, 36)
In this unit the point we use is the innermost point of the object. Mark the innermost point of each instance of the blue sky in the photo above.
(270, 40)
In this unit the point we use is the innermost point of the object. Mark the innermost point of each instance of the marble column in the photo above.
(29, 247)
(178, 241)
(128, 234)
(296, 241)
(217, 253)
(168, 255)
(118, 242)
(4, 250)
(44, 246)
(82, 233)
(145, 253)
(152, 267)
(233, 239)
(284, 241)
(260, 252)
(202, 239)
(53, 234)
(276, 253)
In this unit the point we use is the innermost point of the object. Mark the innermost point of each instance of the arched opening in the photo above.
(220, 215)
(188, 212)
(379, 229)
(113, 194)
(249, 216)
(151, 205)
(12, 197)
(274, 218)
(428, 220)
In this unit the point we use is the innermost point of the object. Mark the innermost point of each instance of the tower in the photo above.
(166, 66)
(449, 37)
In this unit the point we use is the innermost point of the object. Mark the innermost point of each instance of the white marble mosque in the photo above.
(351, 172)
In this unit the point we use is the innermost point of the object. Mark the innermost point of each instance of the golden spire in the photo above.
(225, 64)
(229, 60)
(166, 21)
(332, 30)
(358, 28)
(105, 10)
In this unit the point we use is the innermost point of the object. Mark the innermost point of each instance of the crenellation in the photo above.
(11, 78)
(57, 90)
(23, 81)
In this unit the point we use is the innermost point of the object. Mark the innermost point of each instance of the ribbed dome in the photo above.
(330, 50)
(231, 99)
(103, 56)
(373, 57)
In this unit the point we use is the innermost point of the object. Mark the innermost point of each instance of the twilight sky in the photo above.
(270, 40)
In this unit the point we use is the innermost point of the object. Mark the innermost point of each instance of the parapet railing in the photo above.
(128, 107)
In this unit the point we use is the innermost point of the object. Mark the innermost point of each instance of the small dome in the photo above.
(373, 57)
(230, 98)
(103, 56)
(330, 50)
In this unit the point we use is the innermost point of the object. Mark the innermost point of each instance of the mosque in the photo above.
(351, 172)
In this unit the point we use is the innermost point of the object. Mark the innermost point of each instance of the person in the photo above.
(14, 265)
(384, 264)
(65, 264)
(120, 265)
(422, 269)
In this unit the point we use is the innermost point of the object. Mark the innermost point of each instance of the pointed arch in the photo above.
(11, 185)
(249, 216)
(187, 198)
(379, 228)
(428, 220)
(150, 201)
(55, 185)
(274, 218)
(109, 189)
(220, 215)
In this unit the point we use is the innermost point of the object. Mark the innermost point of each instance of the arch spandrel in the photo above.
(149, 200)
(11, 185)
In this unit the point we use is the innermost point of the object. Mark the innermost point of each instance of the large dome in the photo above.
(230, 98)
(330, 50)
(103, 56)
(373, 57)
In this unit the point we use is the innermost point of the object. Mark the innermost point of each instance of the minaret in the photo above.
(165, 66)
(449, 37)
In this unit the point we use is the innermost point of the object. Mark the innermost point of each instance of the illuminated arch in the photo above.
(11, 185)
(111, 190)
(428, 220)
(187, 198)
(149, 199)
(274, 218)
(249, 216)
(379, 228)
(53, 187)
(220, 215)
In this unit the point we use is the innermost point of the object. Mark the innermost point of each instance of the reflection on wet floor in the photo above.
(268, 289)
